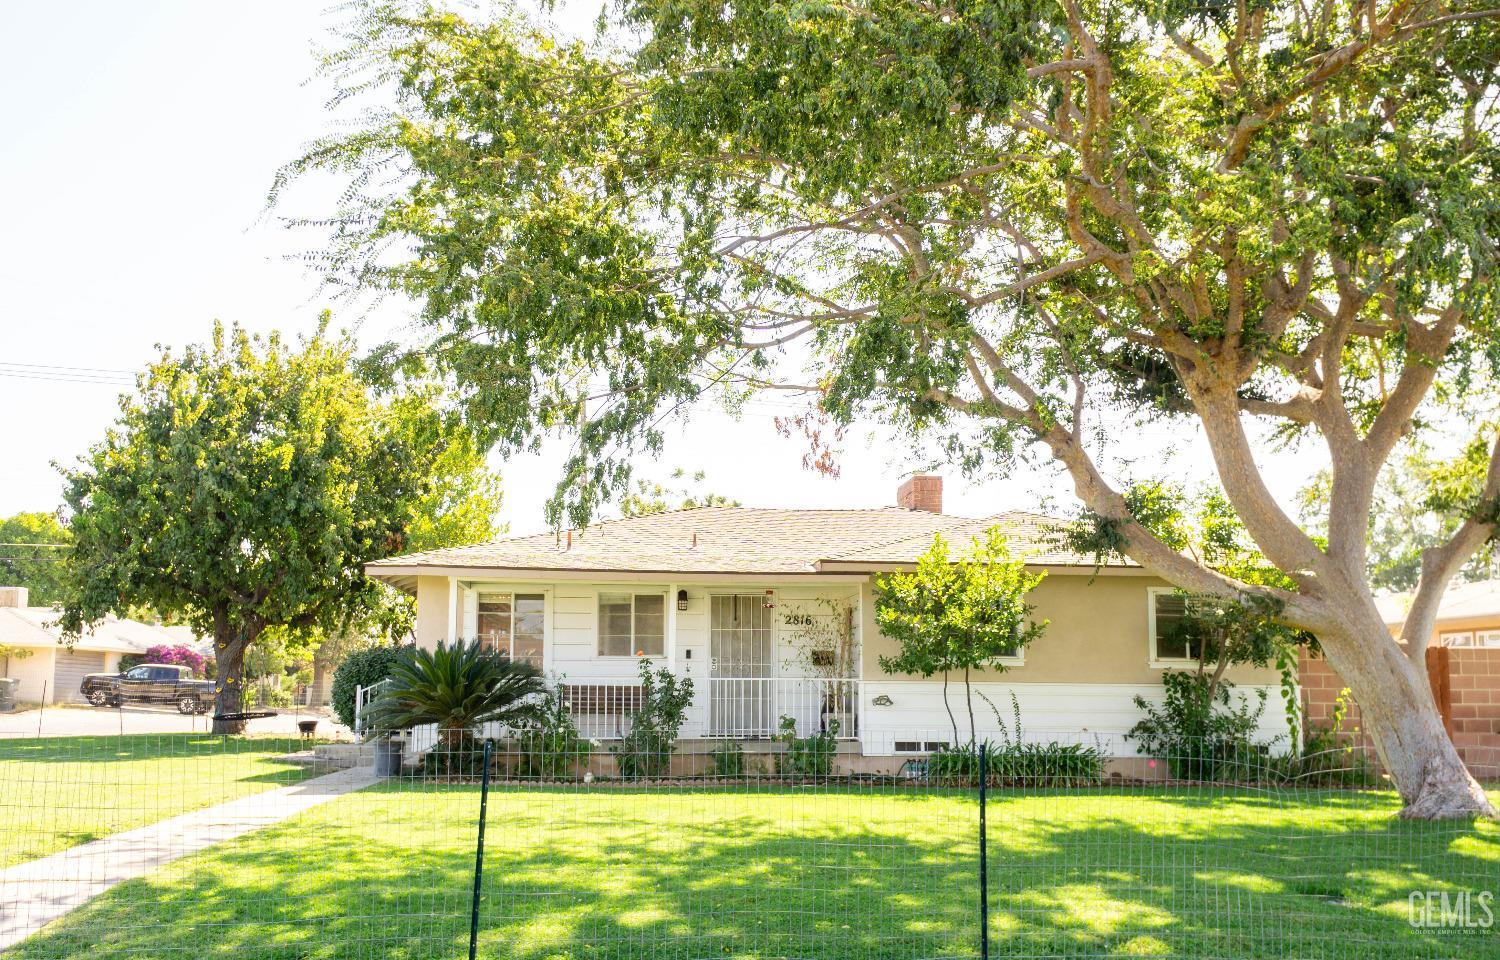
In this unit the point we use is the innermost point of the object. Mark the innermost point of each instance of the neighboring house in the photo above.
(737, 598)
(1469, 615)
(50, 670)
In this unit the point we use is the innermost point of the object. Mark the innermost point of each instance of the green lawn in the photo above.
(57, 792)
(828, 873)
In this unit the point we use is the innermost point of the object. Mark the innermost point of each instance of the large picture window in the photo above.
(1172, 641)
(513, 624)
(632, 624)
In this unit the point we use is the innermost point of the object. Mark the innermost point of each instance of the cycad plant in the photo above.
(457, 688)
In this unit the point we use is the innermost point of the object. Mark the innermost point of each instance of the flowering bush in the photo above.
(179, 655)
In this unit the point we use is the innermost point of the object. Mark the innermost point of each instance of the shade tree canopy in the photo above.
(997, 224)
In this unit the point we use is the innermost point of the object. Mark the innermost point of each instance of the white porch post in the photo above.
(452, 610)
(670, 648)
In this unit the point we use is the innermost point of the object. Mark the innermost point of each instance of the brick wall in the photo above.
(1474, 686)
(1466, 685)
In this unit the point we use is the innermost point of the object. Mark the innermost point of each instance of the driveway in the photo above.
(76, 721)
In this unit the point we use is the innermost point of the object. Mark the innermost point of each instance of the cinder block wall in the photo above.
(1472, 714)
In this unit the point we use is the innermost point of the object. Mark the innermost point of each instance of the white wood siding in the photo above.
(1065, 712)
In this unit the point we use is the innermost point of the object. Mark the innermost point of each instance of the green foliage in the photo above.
(1019, 764)
(810, 756)
(1420, 501)
(1327, 757)
(1201, 731)
(646, 750)
(728, 760)
(684, 493)
(39, 569)
(362, 667)
(457, 688)
(961, 613)
(548, 743)
(243, 488)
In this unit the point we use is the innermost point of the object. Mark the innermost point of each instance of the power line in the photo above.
(59, 546)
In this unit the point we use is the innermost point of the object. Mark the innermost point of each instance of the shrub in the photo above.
(1327, 759)
(457, 689)
(1201, 737)
(728, 760)
(548, 743)
(807, 756)
(362, 668)
(646, 751)
(178, 654)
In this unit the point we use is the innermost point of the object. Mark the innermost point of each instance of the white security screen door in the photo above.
(740, 666)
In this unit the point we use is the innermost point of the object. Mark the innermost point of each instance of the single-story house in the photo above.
(771, 613)
(49, 669)
(1468, 616)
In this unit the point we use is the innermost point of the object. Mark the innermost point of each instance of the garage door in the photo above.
(72, 667)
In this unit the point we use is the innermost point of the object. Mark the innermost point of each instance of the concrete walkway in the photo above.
(35, 893)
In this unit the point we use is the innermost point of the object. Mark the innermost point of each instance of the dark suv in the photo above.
(150, 683)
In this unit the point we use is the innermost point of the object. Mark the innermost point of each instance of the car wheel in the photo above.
(187, 705)
(98, 697)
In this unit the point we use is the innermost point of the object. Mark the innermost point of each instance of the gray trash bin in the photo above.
(387, 757)
(9, 689)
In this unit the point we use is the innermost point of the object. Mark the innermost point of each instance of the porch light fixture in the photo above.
(681, 599)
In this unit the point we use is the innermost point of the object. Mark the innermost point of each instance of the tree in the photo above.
(1420, 501)
(685, 493)
(1007, 225)
(243, 488)
(963, 613)
(37, 568)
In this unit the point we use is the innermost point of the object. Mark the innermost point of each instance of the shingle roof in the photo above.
(33, 627)
(1463, 601)
(744, 540)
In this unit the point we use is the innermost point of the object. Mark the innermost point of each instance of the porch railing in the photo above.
(746, 708)
(363, 697)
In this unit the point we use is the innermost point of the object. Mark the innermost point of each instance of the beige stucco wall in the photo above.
(32, 671)
(432, 611)
(1098, 633)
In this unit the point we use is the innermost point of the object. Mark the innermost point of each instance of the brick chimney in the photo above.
(13, 596)
(921, 491)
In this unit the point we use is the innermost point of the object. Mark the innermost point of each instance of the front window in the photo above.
(1172, 637)
(512, 624)
(632, 624)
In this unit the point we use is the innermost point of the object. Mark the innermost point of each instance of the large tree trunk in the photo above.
(1400, 715)
(229, 677)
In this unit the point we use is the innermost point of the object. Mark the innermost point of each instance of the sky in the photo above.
(140, 140)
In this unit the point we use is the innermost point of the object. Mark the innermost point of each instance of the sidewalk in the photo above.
(35, 893)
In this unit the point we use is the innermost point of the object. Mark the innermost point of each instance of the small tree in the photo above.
(961, 614)
(33, 548)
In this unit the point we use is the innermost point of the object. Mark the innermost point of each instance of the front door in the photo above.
(740, 666)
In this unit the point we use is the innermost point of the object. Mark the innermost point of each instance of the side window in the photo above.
(1172, 639)
(138, 673)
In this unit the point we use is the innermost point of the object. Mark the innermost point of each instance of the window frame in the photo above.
(1155, 660)
(514, 593)
(633, 593)
(1487, 639)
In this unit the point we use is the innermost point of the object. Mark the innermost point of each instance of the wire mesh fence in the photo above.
(191, 845)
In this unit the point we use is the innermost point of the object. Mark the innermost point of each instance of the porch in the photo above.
(727, 708)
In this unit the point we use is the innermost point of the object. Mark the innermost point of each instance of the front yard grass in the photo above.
(58, 792)
(834, 873)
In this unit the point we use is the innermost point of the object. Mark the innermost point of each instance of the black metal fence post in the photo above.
(484, 802)
(984, 866)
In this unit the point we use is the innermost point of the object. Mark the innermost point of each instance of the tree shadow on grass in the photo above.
(632, 874)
